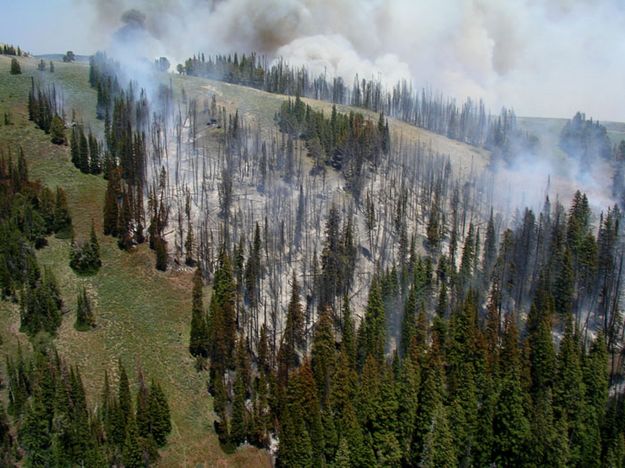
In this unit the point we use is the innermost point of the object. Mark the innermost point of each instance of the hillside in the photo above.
(140, 312)
(142, 315)
(403, 228)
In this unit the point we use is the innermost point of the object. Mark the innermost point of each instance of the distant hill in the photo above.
(59, 57)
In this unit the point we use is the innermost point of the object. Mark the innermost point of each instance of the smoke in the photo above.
(542, 57)
(531, 177)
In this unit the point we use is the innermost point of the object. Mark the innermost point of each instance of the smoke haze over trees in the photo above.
(485, 49)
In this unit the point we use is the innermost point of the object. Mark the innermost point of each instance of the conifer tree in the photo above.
(510, 425)
(160, 247)
(439, 450)
(198, 343)
(34, 433)
(343, 455)
(323, 354)
(74, 142)
(111, 209)
(85, 319)
(431, 392)
(569, 390)
(372, 332)
(222, 315)
(348, 331)
(595, 370)
(238, 427)
(542, 353)
(132, 453)
(123, 395)
(160, 419)
(295, 445)
(62, 218)
(57, 131)
(15, 67)
(293, 336)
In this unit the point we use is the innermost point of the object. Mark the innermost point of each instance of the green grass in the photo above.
(142, 315)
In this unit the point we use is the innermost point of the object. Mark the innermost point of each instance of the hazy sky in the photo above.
(49, 26)
(541, 57)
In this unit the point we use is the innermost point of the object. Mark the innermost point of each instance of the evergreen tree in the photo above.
(569, 391)
(348, 332)
(160, 419)
(62, 218)
(343, 455)
(111, 209)
(132, 453)
(439, 450)
(293, 336)
(15, 67)
(295, 445)
(238, 427)
(198, 343)
(34, 433)
(372, 332)
(511, 426)
(57, 131)
(323, 354)
(160, 246)
(85, 319)
(221, 315)
(123, 395)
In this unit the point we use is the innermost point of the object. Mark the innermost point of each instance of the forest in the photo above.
(358, 297)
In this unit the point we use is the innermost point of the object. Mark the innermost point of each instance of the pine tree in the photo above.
(323, 354)
(295, 445)
(142, 416)
(34, 433)
(408, 386)
(74, 146)
(85, 319)
(160, 419)
(595, 370)
(348, 338)
(510, 425)
(542, 353)
(160, 246)
(62, 218)
(372, 333)
(222, 316)
(94, 247)
(293, 336)
(569, 392)
(431, 392)
(132, 453)
(238, 427)
(439, 450)
(111, 209)
(343, 455)
(123, 395)
(15, 67)
(198, 343)
(57, 131)
(302, 398)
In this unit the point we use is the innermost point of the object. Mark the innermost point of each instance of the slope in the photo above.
(143, 316)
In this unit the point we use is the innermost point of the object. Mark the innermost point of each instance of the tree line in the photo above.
(54, 424)
(468, 122)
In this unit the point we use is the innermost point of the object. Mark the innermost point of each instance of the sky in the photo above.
(546, 58)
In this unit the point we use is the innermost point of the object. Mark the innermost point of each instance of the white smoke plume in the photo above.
(541, 57)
